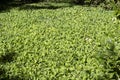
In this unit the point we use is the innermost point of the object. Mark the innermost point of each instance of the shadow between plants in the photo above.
(9, 57)
(48, 6)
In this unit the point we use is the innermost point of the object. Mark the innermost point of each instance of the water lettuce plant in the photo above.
(77, 43)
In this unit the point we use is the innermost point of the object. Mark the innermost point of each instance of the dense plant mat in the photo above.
(78, 43)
